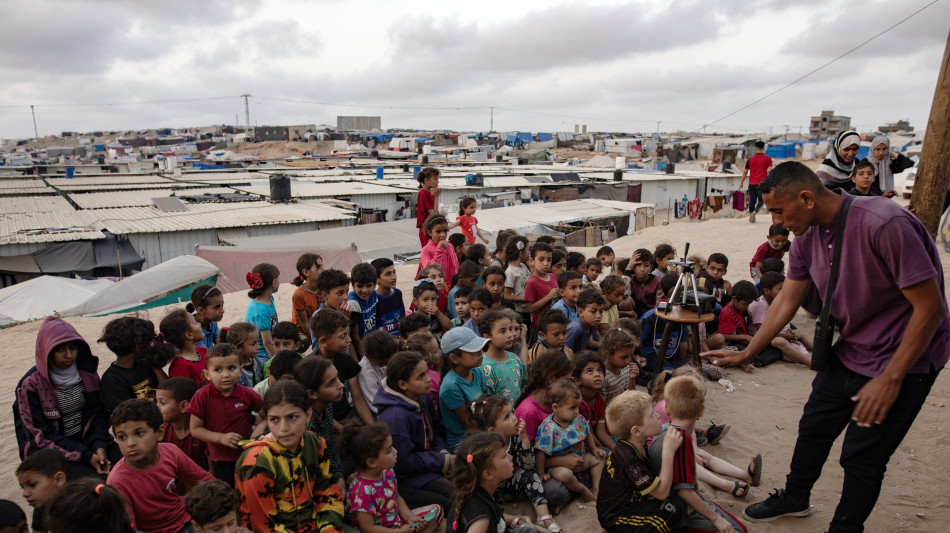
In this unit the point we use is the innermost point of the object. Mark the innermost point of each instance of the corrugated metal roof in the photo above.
(33, 204)
(137, 198)
(48, 226)
(306, 189)
(108, 179)
(27, 185)
(213, 216)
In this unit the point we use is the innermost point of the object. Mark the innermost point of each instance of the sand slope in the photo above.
(763, 411)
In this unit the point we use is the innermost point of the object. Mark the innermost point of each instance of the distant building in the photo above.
(359, 123)
(828, 125)
(281, 133)
(894, 127)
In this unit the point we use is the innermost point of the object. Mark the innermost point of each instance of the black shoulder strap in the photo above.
(835, 257)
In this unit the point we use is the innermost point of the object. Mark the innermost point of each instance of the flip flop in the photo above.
(740, 486)
(756, 474)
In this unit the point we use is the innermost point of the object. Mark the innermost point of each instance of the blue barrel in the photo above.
(415, 172)
(70, 172)
(379, 173)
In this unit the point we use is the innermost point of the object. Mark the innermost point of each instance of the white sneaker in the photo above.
(752, 217)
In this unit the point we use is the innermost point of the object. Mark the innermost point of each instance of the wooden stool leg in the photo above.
(664, 344)
(694, 357)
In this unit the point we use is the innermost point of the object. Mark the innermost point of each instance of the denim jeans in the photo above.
(755, 199)
(865, 451)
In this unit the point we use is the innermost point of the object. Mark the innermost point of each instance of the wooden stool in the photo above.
(680, 316)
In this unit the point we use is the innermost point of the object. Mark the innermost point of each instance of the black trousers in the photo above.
(865, 451)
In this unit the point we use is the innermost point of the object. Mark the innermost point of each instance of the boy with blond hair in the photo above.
(685, 403)
(632, 498)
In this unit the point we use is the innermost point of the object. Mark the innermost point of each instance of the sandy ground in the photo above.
(908, 501)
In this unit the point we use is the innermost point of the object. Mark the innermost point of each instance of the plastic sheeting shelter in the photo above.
(46, 295)
(781, 150)
(151, 287)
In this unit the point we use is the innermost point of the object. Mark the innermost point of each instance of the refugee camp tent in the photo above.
(781, 150)
(45, 296)
(163, 284)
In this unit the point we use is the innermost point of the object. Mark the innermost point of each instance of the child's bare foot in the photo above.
(748, 368)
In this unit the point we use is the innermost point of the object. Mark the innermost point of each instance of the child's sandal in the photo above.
(519, 521)
(552, 527)
(740, 487)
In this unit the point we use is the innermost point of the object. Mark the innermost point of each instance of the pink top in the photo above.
(532, 414)
(152, 496)
(443, 256)
(536, 289)
(435, 378)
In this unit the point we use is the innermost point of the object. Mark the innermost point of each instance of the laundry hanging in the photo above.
(679, 209)
(715, 202)
(694, 208)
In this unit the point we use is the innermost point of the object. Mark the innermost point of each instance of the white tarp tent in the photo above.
(138, 289)
(46, 295)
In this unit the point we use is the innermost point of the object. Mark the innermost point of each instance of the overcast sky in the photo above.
(543, 65)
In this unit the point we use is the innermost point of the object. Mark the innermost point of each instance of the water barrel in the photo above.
(618, 175)
(405, 168)
(279, 188)
(70, 172)
(379, 173)
(498, 159)
(425, 160)
(670, 168)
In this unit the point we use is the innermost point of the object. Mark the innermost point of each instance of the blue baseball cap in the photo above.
(462, 338)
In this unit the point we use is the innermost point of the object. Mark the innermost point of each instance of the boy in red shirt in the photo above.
(150, 474)
(757, 168)
(776, 247)
(221, 413)
(173, 396)
(541, 288)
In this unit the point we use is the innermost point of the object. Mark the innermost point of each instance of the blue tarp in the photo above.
(421, 140)
(545, 137)
(782, 150)
(204, 166)
(525, 136)
(863, 152)
(164, 131)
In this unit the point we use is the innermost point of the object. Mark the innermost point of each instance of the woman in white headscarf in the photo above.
(835, 170)
(886, 163)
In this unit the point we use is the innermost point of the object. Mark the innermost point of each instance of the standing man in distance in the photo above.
(895, 337)
(756, 168)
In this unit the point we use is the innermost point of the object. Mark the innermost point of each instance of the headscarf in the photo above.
(837, 170)
(884, 178)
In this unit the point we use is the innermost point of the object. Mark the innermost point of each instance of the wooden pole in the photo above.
(933, 170)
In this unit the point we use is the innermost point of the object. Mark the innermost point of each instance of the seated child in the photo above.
(476, 479)
(651, 337)
(221, 412)
(285, 483)
(151, 473)
(363, 277)
(173, 396)
(776, 246)
(582, 331)
(794, 347)
(42, 476)
(321, 382)
(372, 499)
(644, 285)
(732, 320)
(180, 329)
(503, 373)
(426, 345)
(460, 305)
(606, 256)
(414, 322)
(566, 432)
(684, 403)
(612, 288)
(213, 507)
(207, 306)
(86, 505)
(575, 261)
(621, 367)
(661, 254)
(469, 272)
(389, 305)
(478, 302)
(12, 518)
(626, 307)
(416, 430)
(491, 413)
(552, 333)
(140, 356)
(568, 288)
(280, 366)
(711, 277)
(380, 347)
(589, 378)
(594, 268)
(243, 336)
(770, 265)
(333, 287)
(461, 383)
(630, 491)
(286, 337)
(331, 329)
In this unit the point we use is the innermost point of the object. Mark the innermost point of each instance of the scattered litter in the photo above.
(579, 506)
(937, 404)
(727, 384)
(919, 515)
(780, 428)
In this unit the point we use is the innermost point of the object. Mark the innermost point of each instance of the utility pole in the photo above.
(247, 112)
(933, 171)
(658, 126)
(36, 136)
(492, 119)
(786, 131)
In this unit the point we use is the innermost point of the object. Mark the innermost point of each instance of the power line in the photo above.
(743, 108)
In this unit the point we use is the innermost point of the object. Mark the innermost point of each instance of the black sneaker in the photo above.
(716, 433)
(701, 440)
(778, 504)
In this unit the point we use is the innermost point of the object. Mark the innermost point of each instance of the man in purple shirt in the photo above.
(895, 337)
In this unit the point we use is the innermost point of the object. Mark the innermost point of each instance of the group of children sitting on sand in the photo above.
(517, 373)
